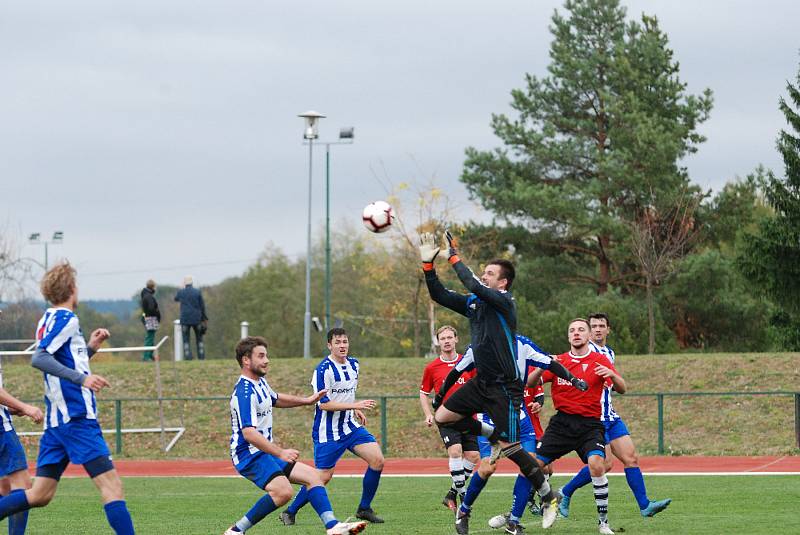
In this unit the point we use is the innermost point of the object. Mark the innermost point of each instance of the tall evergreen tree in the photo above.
(771, 256)
(594, 141)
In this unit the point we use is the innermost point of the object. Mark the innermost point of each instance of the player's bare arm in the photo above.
(425, 402)
(616, 379)
(97, 338)
(18, 407)
(364, 404)
(261, 442)
(360, 416)
(287, 401)
(534, 377)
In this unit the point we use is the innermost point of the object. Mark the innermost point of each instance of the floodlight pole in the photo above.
(346, 137)
(307, 316)
(311, 118)
(34, 239)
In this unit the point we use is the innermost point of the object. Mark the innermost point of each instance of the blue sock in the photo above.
(119, 518)
(369, 486)
(299, 501)
(578, 480)
(17, 523)
(256, 514)
(318, 497)
(476, 484)
(15, 502)
(636, 483)
(522, 491)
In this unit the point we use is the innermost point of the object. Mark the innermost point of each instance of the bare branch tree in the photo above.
(661, 237)
(15, 271)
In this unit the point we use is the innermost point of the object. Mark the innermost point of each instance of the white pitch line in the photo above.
(557, 474)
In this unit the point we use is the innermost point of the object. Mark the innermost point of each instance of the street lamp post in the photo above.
(35, 239)
(346, 137)
(310, 133)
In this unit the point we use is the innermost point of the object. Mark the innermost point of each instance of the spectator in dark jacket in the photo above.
(193, 317)
(151, 316)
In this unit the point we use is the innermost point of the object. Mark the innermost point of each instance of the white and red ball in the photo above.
(378, 216)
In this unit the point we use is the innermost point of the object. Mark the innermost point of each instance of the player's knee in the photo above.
(281, 494)
(377, 463)
(608, 464)
(486, 469)
(39, 498)
(325, 476)
(596, 466)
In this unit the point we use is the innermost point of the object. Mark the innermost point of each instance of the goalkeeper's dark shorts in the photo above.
(501, 401)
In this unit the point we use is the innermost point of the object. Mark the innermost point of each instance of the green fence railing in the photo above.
(384, 410)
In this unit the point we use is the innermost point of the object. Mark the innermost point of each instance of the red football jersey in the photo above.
(528, 397)
(569, 399)
(435, 373)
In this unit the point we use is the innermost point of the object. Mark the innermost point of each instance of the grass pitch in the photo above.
(199, 506)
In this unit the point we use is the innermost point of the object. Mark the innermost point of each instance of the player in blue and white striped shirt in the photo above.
(255, 455)
(338, 426)
(72, 434)
(13, 464)
(618, 438)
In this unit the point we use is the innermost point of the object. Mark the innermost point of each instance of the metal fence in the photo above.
(119, 430)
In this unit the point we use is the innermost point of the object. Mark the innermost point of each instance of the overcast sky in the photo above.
(162, 137)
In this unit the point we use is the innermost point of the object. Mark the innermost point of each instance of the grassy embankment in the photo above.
(718, 425)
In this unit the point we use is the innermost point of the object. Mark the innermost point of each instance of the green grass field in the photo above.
(198, 506)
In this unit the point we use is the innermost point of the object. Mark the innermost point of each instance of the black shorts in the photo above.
(570, 432)
(450, 436)
(501, 401)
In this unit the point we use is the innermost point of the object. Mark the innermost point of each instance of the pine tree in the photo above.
(593, 142)
(771, 257)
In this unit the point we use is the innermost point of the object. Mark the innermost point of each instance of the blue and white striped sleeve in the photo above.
(63, 326)
(272, 394)
(534, 356)
(321, 380)
(246, 401)
(467, 362)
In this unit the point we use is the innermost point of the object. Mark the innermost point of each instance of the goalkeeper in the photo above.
(497, 387)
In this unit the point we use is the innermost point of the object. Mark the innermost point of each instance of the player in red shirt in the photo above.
(576, 425)
(462, 448)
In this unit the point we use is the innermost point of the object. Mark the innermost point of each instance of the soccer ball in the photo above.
(378, 216)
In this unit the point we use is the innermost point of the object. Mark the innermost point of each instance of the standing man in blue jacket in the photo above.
(193, 317)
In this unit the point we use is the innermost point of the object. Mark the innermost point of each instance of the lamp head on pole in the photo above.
(58, 236)
(347, 132)
(34, 237)
(312, 118)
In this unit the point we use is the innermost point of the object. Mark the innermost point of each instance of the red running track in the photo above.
(436, 467)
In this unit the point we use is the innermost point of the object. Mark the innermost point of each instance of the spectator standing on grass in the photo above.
(151, 316)
(193, 317)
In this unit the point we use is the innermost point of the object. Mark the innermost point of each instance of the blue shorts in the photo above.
(615, 429)
(78, 441)
(327, 454)
(528, 443)
(263, 468)
(12, 455)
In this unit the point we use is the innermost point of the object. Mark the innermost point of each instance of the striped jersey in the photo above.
(251, 406)
(59, 333)
(607, 414)
(5, 416)
(341, 382)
